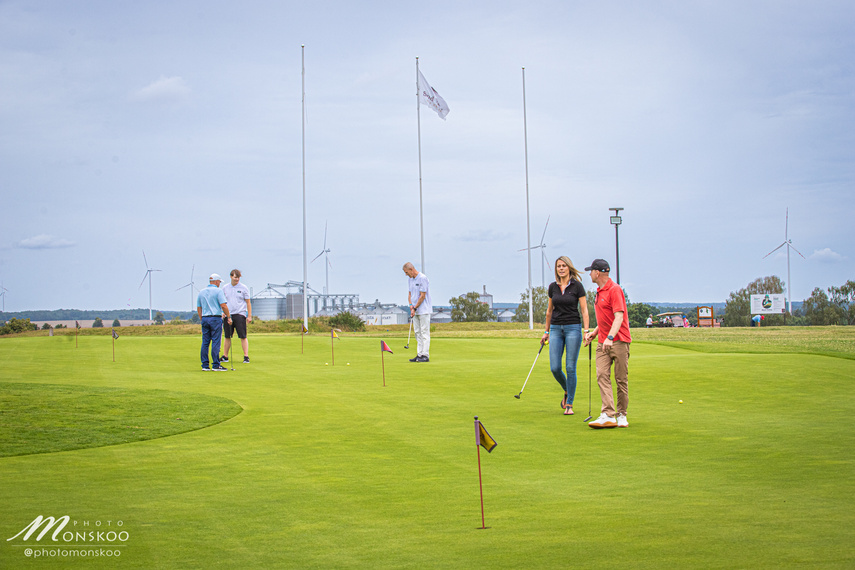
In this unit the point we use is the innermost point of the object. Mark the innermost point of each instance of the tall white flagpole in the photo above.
(527, 221)
(305, 264)
(421, 210)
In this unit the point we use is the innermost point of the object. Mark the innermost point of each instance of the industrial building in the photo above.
(285, 301)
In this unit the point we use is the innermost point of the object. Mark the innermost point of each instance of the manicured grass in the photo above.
(327, 468)
(43, 418)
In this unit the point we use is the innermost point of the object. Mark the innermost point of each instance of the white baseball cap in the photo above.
(215, 277)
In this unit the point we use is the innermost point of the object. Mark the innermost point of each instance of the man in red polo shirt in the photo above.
(612, 332)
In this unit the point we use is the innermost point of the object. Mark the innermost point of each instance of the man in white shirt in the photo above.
(418, 297)
(240, 307)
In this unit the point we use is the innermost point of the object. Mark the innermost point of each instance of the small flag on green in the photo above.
(385, 347)
(115, 334)
(305, 330)
(485, 440)
(76, 324)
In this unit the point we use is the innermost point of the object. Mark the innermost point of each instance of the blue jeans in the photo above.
(561, 337)
(212, 334)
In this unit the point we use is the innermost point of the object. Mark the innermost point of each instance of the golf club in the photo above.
(231, 362)
(408, 335)
(517, 396)
(589, 382)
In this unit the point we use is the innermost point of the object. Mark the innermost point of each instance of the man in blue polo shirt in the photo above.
(211, 305)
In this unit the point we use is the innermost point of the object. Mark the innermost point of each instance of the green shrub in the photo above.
(347, 321)
(18, 325)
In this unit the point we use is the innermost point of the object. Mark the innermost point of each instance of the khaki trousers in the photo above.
(617, 353)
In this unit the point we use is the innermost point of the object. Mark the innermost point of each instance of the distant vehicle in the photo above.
(671, 319)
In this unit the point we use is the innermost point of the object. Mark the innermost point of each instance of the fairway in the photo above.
(323, 466)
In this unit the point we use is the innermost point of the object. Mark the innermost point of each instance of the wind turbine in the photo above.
(192, 286)
(789, 243)
(542, 247)
(325, 252)
(148, 271)
(3, 294)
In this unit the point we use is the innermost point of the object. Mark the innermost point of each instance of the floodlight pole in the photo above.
(616, 221)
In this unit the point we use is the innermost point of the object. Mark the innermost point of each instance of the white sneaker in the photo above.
(621, 421)
(603, 421)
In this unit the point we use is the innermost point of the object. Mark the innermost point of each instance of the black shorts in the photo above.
(238, 325)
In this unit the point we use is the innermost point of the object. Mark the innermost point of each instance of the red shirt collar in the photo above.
(609, 284)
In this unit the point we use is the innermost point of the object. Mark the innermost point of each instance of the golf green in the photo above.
(326, 467)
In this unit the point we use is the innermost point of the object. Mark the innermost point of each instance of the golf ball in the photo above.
(327, 364)
(681, 401)
(348, 363)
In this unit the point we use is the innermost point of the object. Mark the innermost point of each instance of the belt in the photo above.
(206, 316)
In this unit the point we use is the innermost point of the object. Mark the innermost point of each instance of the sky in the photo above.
(176, 129)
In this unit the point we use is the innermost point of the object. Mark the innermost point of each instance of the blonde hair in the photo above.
(574, 273)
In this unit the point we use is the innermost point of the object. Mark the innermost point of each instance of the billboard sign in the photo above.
(768, 304)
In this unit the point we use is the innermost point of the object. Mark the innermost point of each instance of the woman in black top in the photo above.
(566, 313)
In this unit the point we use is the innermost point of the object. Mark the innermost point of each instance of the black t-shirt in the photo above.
(565, 306)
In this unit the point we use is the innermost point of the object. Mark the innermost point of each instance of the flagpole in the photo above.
(305, 264)
(421, 210)
(480, 486)
(527, 220)
(332, 346)
(383, 364)
(113, 334)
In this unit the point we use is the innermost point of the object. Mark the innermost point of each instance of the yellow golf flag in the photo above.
(485, 440)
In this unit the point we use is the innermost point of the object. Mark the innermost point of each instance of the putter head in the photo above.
(589, 418)
(407, 346)
(517, 396)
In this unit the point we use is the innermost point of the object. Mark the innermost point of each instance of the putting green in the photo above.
(325, 467)
(43, 418)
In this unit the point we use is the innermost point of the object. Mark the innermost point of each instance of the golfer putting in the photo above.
(418, 297)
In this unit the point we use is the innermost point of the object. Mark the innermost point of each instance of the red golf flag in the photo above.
(384, 348)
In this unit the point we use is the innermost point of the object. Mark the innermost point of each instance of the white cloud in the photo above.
(44, 241)
(165, 89)
(826, 255)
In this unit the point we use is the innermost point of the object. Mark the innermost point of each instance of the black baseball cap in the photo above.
(599, 265)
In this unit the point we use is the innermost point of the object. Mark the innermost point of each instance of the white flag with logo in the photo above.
(431, 98)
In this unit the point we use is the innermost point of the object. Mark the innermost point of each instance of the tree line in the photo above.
(837, 307)
(834, 306)
(469, 308)
(87, 315)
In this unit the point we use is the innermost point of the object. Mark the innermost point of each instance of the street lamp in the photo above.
(616, 220)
